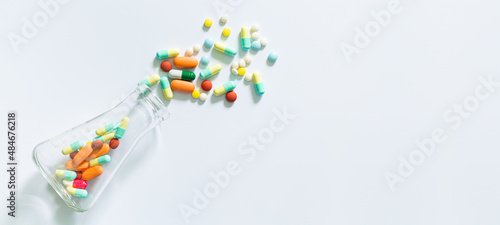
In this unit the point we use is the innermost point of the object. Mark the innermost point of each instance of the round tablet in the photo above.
(242, 63)
(263, 42)
(234, 71)
(206, 85)
(226, 32)
(189, 51)
(195, 94)
(231, 96)
(255, 28)
(235, 65)
(224, 18)
(248, 59)
(255, 35)
(209, 42)
(114, 143)
(256, 45)
(166, 66)
(196, 48)
(203, 96)
(273, 56)
(248, 76)
(208, 22)
(205, 60)
(242, 71)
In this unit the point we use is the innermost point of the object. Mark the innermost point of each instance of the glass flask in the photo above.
(144, 109)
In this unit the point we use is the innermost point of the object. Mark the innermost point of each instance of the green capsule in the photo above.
(181, 74)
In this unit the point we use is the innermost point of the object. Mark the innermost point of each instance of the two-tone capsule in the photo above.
(168, 53)
(100, 160)
(105, 129)
(259, 85)
(105, 138)
(228, 86)
(80, 193)
(181, 74)
(165, 85)
(80, 184)
(150, 80)
(210, 71)
(245, 38)
(72, 147)
(66, 174)
(224, 49)
(120, 130)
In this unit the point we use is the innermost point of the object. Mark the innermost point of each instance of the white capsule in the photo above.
(189, 51)
(234, 71)
(196, 48)
(248, 59)
(255, 28)
(263, 42)
(203, 97)
(224, 18)
(255, 35)
(248, 76)
(235, 65)
(242, 63)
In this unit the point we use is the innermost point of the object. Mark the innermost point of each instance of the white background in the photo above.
(353, 120)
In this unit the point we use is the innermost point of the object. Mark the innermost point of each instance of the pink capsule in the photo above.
(80, 184)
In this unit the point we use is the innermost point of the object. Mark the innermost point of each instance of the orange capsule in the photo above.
(100, 152)
(185, 62)
(182, 85)
(92, 173)
(82, 155)
(83, 166)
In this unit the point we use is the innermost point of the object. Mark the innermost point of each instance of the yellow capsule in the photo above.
(120, 130)
(105, 129)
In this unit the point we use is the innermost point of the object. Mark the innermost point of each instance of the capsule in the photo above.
(80, 193)
(245, 38)
(100, 152)
(72, 147)
(257, 80)
(181, 74)
(224, 49)
(82, 155)
(165, 85)
(92, 173)
(80, 184)
(185, 62)
(66, 174)
(228, 86)
(105, 138)
(80, 167)
(172, 52)
(150, 80)
(210, 71)
(120, 130)
(106, 128)
(101, 160)
(182, 86)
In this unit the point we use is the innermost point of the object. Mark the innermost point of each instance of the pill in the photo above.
(210, 71)
(203, 97)
(195, 94)
(196, 48)
(166, 66)
(209, 42)
(82, 167)
(72, 155)
(167, 91)
(181, 74)
(234, 71)
(189, 52)
(235, 65)
(80, 184)
(245, 38)
(150, 80)
(120, 130)
(100, 152)
(256, 45)
(263, 42)
(273, 56)
(248, 76)
(106, 137)
(78, 175)
(255, 35)
(226, 32)
(80, 193)
(100, 160)
(97, 144)
(257, 80)
(88, 142)
(224, 18)
(231, 96)
(82, 155)
(224, 49)
(92, 173)
(113, 144)
(72, 147)
(182, 86)
(228, 86)
(105, 129)
(242, 71)
(66, 174)
(255, 28)
(185, 62)
(208, 22)
(248, 59)
(206, 85)
(205, 60)
(242, 63)
(172, 52)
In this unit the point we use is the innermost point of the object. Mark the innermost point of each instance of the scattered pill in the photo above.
(248, 76)
(80, 193)
(226, 32)
(72, 147)
(235, 65)
(150, 80)
(182, 74)
(167, 91)
(66, 174)
(206, 85)
(106, 137)
(234, 71)
(208, 22)
(182, 86)
(80, 184)
(113, 144)
(185, 62)
(210, 71)
(196, 48)
(242, 71)
(224, 49)
(100, 160)
(92, 173)
(97, 144)
(205, 60)
(255, 35)
(82, 167)
(257, 80)
(273, 56)
(248, 59)
(228, 86)
(189, 51)
(242, 63)
(120, 130)
(209, 42)
(263, 42)
(82, 155)
(245, 38)
(100, 152)
(72, 155)
(256, 45)
(195, 94)
(172, 52)
(224, 18)
(255, 28)
(78, 175)
(166, 66)
(231, 96)
(203, 97)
